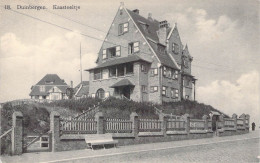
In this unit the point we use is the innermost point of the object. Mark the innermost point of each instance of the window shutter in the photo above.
(155, 71)
(118, 51)
(104, 53)
(126, 27)
(136, 46)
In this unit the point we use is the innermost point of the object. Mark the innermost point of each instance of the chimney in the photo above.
(150, 17)
(162, 32)
(71, 84)
(136, 11)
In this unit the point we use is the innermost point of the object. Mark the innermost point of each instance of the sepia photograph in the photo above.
(129, 81)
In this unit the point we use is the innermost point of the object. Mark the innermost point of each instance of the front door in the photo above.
(126, 92)
(215, 120)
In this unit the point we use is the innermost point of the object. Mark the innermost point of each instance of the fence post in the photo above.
(187, 123)
(234, 116)
(135, 123)
(99, 118)
(206, 121)
(17, 133)
(55, 130)
(163, 120)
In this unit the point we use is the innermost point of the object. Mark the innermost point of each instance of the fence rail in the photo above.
(149, 125)
(118, 126)
(71, 126)
(197, 124)
(229, 123)
(175, 125)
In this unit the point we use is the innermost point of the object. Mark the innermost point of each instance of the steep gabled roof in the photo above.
(83, 90)
(36, 90)
(152, 38)
(51, 79)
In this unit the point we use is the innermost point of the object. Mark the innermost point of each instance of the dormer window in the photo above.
(133, 47)
(122, 28)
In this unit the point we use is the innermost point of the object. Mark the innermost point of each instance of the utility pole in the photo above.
(80, 65)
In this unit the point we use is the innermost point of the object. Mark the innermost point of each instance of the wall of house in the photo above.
(106, 83)
(175, 38)
(154, 80)
(113, 38)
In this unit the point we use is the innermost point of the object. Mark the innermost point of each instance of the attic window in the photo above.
(122, 28)
(133, 47)
(114, 51)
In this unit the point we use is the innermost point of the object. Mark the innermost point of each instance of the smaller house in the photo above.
(81, 90)
(50, 87)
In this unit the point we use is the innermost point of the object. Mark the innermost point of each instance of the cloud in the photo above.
(23, 65)
(241, 96)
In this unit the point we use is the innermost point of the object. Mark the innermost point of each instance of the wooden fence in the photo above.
(197, 124)
(71, 126)
(175, 125)
(118, 126)
(229, 123)
(149, 125)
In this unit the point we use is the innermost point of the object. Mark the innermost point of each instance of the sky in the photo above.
(222, 36)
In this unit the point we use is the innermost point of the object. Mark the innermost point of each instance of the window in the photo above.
(122, 28)
(154, 71)
(133, 47)
(154, 89)
(42, 88)
(164, 91)
(176, 74)
(100, 93)
(93, 95)
(114, 51)
(175, 48)
(144, 88)
(120, 70)
(164, 70)
(129, 68)
(187, 97)
(143, 68)
(112, 71)
(176, 93)
(104, 54)
(97, 74)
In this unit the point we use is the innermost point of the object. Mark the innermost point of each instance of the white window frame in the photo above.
(123, 28)
(164, 92)
(176, 93)
(104, 54)
(153, 89)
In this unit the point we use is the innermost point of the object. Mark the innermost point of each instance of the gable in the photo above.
(114, 39)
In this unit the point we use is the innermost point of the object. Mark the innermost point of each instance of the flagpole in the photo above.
(80, 65)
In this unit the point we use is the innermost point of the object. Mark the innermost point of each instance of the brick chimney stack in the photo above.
(162, 32)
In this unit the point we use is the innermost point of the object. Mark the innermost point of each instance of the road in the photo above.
(235, 151)
(239, 148)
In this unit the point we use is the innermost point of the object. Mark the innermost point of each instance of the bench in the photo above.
(99, 139)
